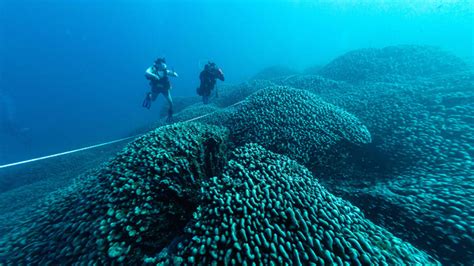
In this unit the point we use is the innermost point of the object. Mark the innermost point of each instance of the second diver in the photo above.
(208, 80)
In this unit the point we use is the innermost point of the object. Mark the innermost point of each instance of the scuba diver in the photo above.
(208, 80)
(160, 84)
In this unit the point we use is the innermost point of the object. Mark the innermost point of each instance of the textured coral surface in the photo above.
(131, 207)
(266, 208)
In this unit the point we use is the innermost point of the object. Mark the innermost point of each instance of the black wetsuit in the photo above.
(208, 81)
(161, 85)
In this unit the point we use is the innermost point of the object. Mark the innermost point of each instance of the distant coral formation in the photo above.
(408, 61)
(274, 72)
(416, 176)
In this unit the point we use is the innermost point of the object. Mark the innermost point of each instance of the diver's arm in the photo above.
(220, 74)
(149, 74)
(171, 73)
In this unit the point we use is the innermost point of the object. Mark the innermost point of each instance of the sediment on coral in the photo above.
(267, 209)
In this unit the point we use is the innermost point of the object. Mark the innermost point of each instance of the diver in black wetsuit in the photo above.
(208, 80)
(158, 75)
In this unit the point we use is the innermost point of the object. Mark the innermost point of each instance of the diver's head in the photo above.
(210, 65)
(160, 60)
(160, 63)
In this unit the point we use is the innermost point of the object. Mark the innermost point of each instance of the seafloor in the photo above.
(365, 161)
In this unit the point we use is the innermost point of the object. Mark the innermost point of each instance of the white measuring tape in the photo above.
(98, 145)
(66, 152)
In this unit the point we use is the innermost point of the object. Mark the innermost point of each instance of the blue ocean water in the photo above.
(73, 70)
(343, 133)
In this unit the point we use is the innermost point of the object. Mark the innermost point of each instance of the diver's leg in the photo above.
(167, 95)
(206, 94)
(153, 94)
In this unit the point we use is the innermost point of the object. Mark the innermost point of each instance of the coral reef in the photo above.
(272, 72)
(313, 70)
(228, 95)
(179, 104)
(194, 111)
(424, 139)
(267, 209)
(294, 122)
(179, 207)
(247, 184)
(288, 121)
(390, 63)
(134, 205)
(417, 173)
(419, 164)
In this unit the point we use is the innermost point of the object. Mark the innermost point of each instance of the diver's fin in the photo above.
(147, 101)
